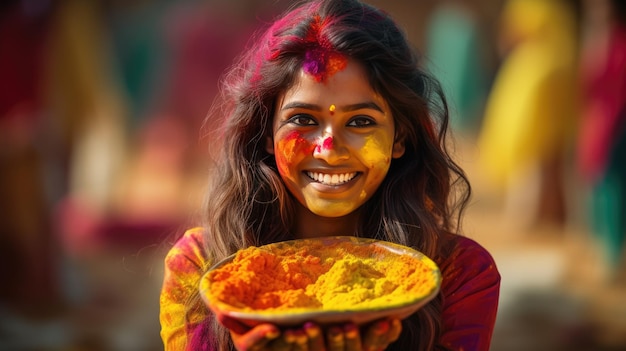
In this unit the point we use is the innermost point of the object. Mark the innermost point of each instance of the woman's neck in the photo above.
(310, 225)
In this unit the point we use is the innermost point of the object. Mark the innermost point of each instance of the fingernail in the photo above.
(335, 334)
(301, 338)
(272, 334)
(351, 331)
(382, 327)
(311, 330)
(289, 336)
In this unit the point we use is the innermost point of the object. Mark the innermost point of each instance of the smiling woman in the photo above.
(333, 129)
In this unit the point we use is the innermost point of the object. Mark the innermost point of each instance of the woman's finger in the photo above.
(297, 339)
(280, 344)
(382, 333)
(352, 337)
(335, 339)
(315, 336)
(395, 330)
(256, 338)
(232, 324)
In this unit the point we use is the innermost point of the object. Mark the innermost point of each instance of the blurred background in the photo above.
(104, 147)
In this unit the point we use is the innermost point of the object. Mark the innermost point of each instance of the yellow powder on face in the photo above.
(321, 276)
(375, 152)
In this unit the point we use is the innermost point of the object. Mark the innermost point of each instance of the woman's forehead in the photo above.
(350, 85)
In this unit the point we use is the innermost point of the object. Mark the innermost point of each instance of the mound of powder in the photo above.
(309, 275)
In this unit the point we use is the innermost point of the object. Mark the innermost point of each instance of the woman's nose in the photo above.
(330, 149)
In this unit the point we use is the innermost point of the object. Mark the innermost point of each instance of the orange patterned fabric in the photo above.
(184, 266)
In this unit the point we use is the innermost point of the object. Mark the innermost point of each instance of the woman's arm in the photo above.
(471, 289)
(182, 314)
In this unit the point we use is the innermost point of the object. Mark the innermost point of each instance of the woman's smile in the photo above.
(331, 179)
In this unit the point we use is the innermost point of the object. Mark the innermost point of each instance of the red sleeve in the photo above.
(470, 288)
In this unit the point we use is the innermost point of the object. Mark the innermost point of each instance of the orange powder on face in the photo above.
(318, 276)
(291, 146)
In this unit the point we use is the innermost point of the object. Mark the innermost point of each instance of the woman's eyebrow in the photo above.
(346, 108)
(361, 106)
(301, 105)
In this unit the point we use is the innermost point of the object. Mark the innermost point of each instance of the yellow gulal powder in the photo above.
(316, 275)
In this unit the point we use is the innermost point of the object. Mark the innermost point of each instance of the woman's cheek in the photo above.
(291, 150)
(376, 153)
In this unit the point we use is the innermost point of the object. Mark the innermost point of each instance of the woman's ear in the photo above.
(269, 145)
(398, 146)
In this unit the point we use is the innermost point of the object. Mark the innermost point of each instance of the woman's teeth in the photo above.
(331, 179)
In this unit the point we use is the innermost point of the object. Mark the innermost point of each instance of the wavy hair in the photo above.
(424, 192)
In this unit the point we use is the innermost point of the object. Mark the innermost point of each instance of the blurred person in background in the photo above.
(602, 139)
(530, 114)
(167, 58)
(28, 250)
(57, 108)
(456, 55)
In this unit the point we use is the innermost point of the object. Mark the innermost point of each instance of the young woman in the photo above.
(331, 128)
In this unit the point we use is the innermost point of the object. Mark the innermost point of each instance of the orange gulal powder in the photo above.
(319, 276)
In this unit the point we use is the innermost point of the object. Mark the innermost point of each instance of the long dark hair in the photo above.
(424, 192)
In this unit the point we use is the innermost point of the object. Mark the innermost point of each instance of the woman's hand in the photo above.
(267, 337)
(251, 339)
(381, 333)
(374, 337)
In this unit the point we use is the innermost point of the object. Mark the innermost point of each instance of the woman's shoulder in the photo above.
(455, 244)
(187, 251)
(463, 256)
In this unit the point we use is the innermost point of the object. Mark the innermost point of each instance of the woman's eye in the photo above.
(361, 122)
(302, 120)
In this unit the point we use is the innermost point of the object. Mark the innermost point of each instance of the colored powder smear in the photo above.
(374, 153)
(326, 144)
(292, 145)
(321, 60)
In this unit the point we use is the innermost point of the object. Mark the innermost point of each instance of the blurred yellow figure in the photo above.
(530, 111)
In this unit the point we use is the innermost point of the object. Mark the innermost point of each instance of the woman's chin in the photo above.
(331, 209)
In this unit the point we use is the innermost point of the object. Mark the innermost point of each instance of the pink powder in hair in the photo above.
(321, 61)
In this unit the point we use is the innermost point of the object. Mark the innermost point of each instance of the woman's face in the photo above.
(333, 140)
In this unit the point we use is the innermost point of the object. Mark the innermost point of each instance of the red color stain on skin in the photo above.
(326, 144)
